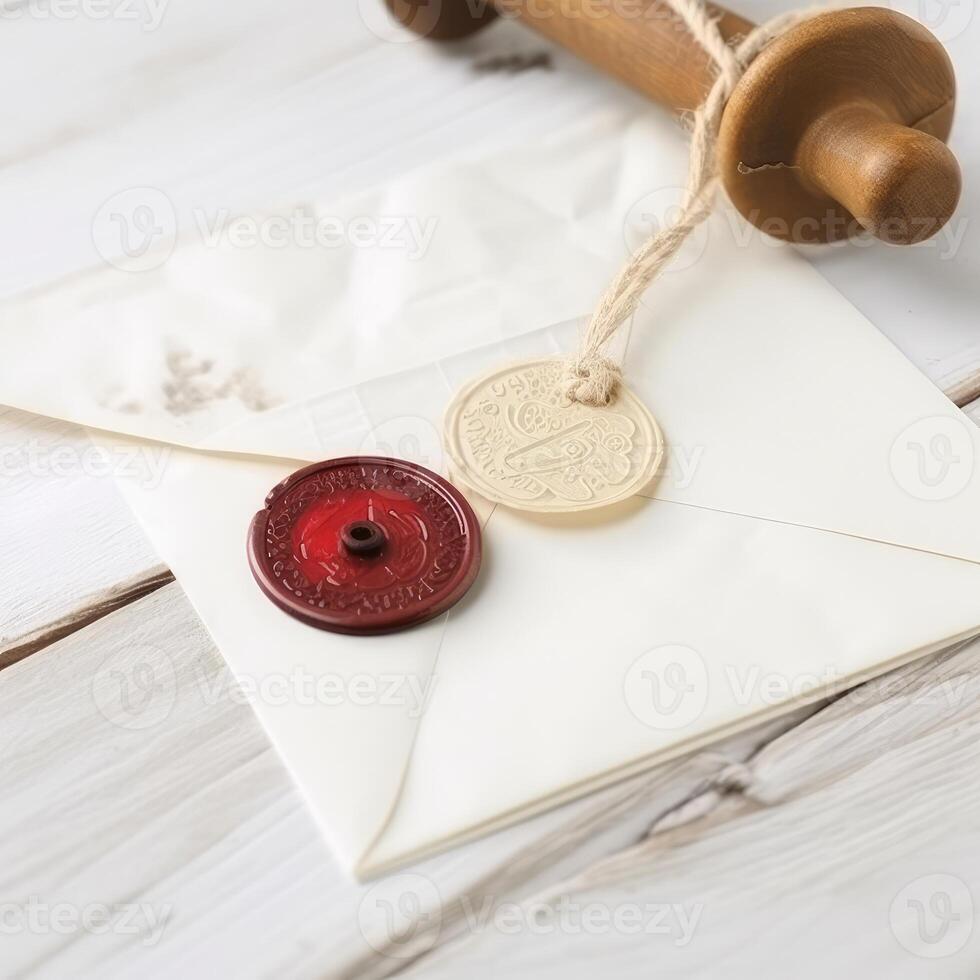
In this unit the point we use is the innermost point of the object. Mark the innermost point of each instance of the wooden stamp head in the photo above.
(838, 125)
(842, 121)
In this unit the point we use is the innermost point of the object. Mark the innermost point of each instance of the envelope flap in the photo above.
(342, 710)
(598, 648)
(797, 412)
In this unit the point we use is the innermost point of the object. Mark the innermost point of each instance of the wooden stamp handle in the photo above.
(641, 42)
(838, 125)
(645, 45)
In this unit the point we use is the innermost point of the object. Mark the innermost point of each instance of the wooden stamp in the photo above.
(838, 125)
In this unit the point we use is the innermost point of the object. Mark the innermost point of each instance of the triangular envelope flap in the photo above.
(797, 411)
(598, 644)
(342, 710)
(794, 412)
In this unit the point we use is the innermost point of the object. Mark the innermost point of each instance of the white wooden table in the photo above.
(148, 828)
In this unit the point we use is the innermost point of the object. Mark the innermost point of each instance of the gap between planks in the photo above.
(966, 391)
(101, 605)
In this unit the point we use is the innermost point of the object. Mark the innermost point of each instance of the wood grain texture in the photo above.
(193, 812)
(839, 125)
(822, 856)
(174, 804)
(962, 386)
(72, 550)
(646, 45)
(966, 392)
(223, 107)
(133, 772)
(84, 611)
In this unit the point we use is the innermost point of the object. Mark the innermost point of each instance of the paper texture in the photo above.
(815, 523)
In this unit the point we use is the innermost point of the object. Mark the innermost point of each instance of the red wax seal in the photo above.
(364, 544)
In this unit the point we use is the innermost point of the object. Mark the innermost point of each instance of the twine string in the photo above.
(591, 377)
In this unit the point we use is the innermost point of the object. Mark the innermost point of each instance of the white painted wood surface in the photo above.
(132, 772)
(830, 844)
(794, 841)
(71, 548)
(244, 107)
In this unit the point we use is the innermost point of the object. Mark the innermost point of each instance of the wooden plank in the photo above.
(208, 790)
(846, 847)
(959, 376)
(224, 109)
(966, 390)
(132, 774)
(195, 811)
(72, 549)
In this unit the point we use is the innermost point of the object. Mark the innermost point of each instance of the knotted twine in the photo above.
(591, 377)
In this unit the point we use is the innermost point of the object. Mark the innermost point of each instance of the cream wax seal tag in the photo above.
(516, 438)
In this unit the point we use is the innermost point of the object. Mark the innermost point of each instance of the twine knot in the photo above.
(591, 378)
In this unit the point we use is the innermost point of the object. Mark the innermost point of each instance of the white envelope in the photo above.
(816, 523)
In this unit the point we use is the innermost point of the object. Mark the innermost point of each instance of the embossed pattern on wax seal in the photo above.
(364, 544)
(516, 439)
